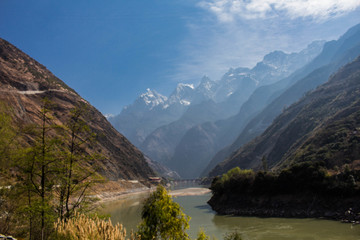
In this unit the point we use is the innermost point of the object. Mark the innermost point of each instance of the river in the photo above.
(127, 211)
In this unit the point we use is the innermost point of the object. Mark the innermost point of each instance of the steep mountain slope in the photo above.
(282, 94)
(228, 130)
(160, 144)
(190, 157)
(24, 83)
(337, 139)
(322, 126)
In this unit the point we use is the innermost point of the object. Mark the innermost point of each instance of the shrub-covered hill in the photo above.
(24, 83)
(336, 143)
(321, 126)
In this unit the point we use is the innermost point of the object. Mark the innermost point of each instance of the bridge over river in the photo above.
(185, 183)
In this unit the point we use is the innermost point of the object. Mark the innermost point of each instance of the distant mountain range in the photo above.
(24, 83)
(162, 127)
(321, 126)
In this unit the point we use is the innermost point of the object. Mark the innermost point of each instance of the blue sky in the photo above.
(111, 51)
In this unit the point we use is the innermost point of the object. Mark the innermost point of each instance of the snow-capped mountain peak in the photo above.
(152, 99)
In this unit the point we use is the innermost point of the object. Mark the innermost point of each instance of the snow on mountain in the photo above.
(108, 115)
(152, 99)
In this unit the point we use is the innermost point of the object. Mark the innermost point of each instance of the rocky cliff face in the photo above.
(24, 83)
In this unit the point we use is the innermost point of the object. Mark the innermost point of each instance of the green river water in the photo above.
(127, 211)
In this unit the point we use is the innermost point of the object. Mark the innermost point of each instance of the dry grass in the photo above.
(82, 227)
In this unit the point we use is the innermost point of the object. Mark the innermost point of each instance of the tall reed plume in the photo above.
(82, 227)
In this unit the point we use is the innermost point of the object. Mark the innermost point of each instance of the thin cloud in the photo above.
(229, 10)
(212, 47)
(212, 50)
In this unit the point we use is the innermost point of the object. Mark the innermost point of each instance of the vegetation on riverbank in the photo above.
(304, 190)
(162, 218)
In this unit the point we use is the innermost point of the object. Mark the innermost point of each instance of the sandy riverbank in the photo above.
(113, 190)
(116, 191)
(114, 196)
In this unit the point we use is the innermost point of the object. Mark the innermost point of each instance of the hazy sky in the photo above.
(111, 51)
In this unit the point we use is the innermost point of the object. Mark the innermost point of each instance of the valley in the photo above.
(267, 150)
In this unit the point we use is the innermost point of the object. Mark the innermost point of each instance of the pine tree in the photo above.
(75, 175)
(38, 168)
